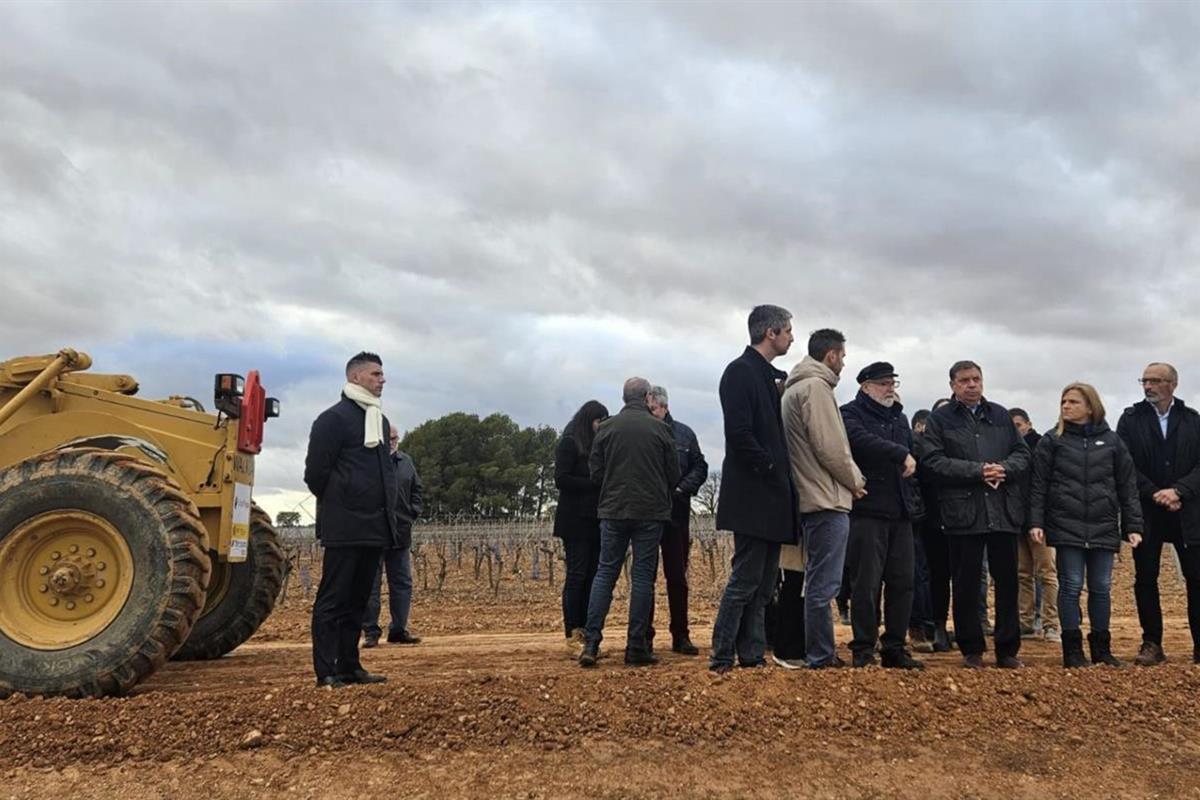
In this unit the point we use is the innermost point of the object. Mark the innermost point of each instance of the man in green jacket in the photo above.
(633, 459)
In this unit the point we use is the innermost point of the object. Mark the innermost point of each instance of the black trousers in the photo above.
(846, 590)
(789, 618)
(1147, 560)
(937, 555)
(882, 553)
(341, 603)
(582, 549)
(676, 544)
(966, 565)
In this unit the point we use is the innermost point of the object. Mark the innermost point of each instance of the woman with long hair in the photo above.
(575, 520)
(1084, 500)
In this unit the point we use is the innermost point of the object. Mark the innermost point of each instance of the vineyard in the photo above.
(491, 704)
(503, 553)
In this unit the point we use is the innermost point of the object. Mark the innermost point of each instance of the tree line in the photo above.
(491, 467)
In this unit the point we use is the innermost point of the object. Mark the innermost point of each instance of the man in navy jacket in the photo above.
(349, 469)
(676, 538)
(881, 535)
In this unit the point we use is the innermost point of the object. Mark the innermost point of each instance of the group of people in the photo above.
(626, 482)
(820, 497)
(909, 519)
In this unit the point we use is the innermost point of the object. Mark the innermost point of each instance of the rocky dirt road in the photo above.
(491, 705)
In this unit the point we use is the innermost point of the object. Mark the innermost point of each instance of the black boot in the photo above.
(941, 640)
(684, 646)
(640, 657)
(1100, 644)
(590, 654)
(1072, 647)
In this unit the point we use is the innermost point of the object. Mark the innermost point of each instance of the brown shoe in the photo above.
(973, 661)
(919, 641)
(1149, 655)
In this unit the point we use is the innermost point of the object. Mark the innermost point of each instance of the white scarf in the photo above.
(373, 427)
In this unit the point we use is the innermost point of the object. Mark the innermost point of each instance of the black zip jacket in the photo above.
(578, 495)
(633, 458)
(880, 441)
(1084, 488)
(956, 445)
(693, 469)
(408, 498)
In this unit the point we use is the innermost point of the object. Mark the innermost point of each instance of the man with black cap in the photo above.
(881, 537)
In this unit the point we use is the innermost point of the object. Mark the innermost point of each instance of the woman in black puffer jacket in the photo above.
(575, 520)
(1084, 499)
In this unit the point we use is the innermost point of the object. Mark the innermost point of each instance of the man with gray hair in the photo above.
(758, 501)
(633, 459)
(880, 549)
(676, 539)
(1163, 436)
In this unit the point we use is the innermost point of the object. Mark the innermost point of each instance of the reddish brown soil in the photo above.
(491, 704)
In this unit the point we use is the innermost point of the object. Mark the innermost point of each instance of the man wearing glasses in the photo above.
(880, 549)
(1163, 435)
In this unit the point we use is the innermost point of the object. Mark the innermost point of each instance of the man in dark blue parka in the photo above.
(881, 535)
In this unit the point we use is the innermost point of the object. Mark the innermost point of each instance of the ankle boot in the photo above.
(1072, 647)
(1100, 644)
(941, 640)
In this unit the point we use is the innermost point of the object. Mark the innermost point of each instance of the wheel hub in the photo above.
(64, 577)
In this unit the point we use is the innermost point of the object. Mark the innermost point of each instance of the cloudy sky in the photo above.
(519, 205)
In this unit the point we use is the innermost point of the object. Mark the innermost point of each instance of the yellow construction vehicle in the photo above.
(127, 531)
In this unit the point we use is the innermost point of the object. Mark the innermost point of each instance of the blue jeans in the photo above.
(825, 537)
(616, 535)
(983, 593)
(740, 623)
(1073, 562)
(398, 564)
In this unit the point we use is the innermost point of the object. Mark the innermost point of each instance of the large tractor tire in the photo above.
(102, 573)
(240, 596)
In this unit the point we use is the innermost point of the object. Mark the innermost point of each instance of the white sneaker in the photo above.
(794, 663)
(1052, 635)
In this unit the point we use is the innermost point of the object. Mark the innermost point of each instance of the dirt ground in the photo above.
(490, 704)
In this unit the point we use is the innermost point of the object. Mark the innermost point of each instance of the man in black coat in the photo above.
(758, 501)
(881, 534)
(633, 459)
(676, 538)
(397, 561)
(350, 471)
(1163, 435)
(976, 460)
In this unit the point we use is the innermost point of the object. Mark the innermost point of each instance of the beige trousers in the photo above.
(1037, 560)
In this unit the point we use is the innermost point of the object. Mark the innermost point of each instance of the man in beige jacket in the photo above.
(827, 482)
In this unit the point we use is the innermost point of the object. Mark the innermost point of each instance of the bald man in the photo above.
(633, 459)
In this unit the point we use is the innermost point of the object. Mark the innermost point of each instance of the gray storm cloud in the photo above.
(521, 205)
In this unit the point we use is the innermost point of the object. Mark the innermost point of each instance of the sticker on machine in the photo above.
(239, 545)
